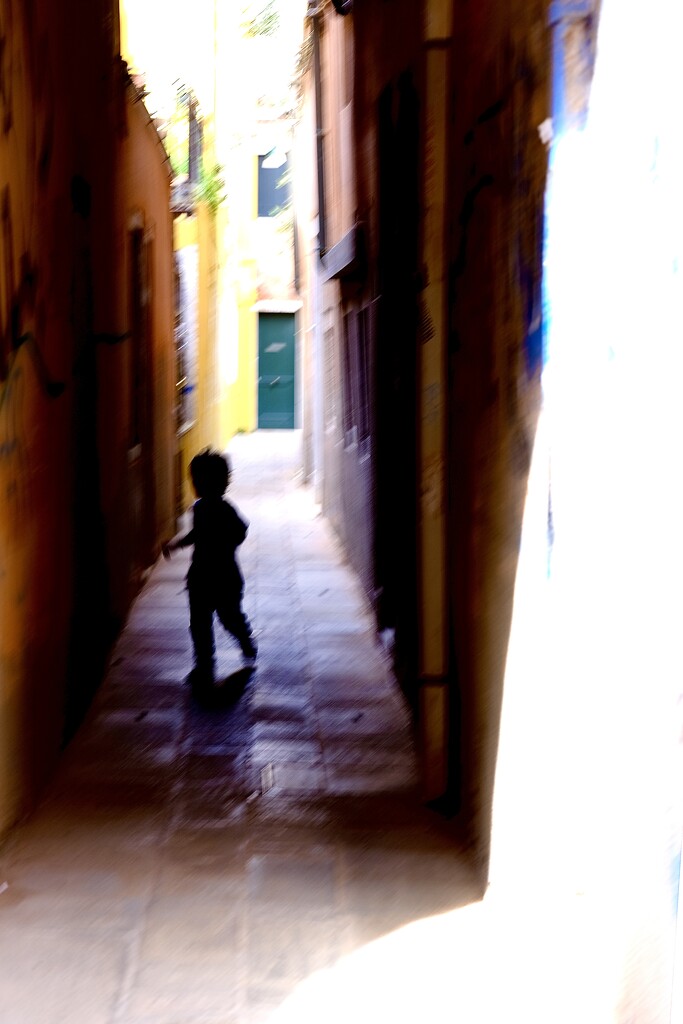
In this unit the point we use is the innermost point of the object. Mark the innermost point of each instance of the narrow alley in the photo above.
(418, 267)
(192, 864)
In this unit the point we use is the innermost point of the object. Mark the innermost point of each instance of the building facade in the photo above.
(86, 375)
(424, 241)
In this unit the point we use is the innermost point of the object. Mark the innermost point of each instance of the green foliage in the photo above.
(260, 19)
(284, 220)
(179, 160)
(210, 187)
(176, 133)
(304, 64)
(284, 213)
(285, 178)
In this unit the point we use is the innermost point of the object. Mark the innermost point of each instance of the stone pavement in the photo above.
(201, 865)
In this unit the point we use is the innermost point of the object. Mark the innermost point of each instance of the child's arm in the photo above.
(179, 541)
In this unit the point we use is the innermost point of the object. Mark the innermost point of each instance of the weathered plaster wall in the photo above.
(142, 189)
(501, 71)
(497, 94)
(215, 406)
(147, 187)
(360, 55)
(63, 377)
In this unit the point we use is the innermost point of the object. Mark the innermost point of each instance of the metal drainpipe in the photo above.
(434, 669)
(322, 233)
(314, 13)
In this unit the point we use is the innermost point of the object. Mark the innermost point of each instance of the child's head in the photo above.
(210, 472)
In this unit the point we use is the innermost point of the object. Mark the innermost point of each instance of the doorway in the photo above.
(276, 352)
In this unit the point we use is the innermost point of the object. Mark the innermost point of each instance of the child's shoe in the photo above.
(201, 683)
(249, 649)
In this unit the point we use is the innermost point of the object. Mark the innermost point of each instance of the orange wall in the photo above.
(67, 181)
(142, 203)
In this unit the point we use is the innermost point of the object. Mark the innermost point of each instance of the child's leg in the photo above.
(235, 621)
(201, 631)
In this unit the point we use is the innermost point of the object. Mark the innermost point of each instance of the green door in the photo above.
(276, 371)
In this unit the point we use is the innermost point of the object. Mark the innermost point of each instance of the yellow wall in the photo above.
(226, 335)
(144, 201)
(185, 233)
(220, 64)
(238, 284)
(206, 430)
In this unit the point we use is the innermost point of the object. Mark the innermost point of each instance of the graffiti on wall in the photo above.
(27, 141)
(26, 134)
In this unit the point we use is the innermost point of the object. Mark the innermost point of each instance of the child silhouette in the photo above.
(214, 581)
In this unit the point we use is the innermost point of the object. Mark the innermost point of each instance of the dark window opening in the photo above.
(274, 189)
(363, 376)
(137, 332)
(356, 379)
(348, 382)
(140, 263)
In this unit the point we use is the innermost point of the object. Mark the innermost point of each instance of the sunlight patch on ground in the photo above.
(486, 962)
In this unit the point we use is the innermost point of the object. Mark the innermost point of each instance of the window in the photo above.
(332, 382)
(138, 292)
(364, 375)
(356, 377)
(348, 375)
(186, 333)
(273, 183)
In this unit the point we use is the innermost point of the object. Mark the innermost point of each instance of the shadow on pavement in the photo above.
(226, 692)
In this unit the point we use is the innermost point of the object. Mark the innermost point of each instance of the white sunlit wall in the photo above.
(588, 788)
